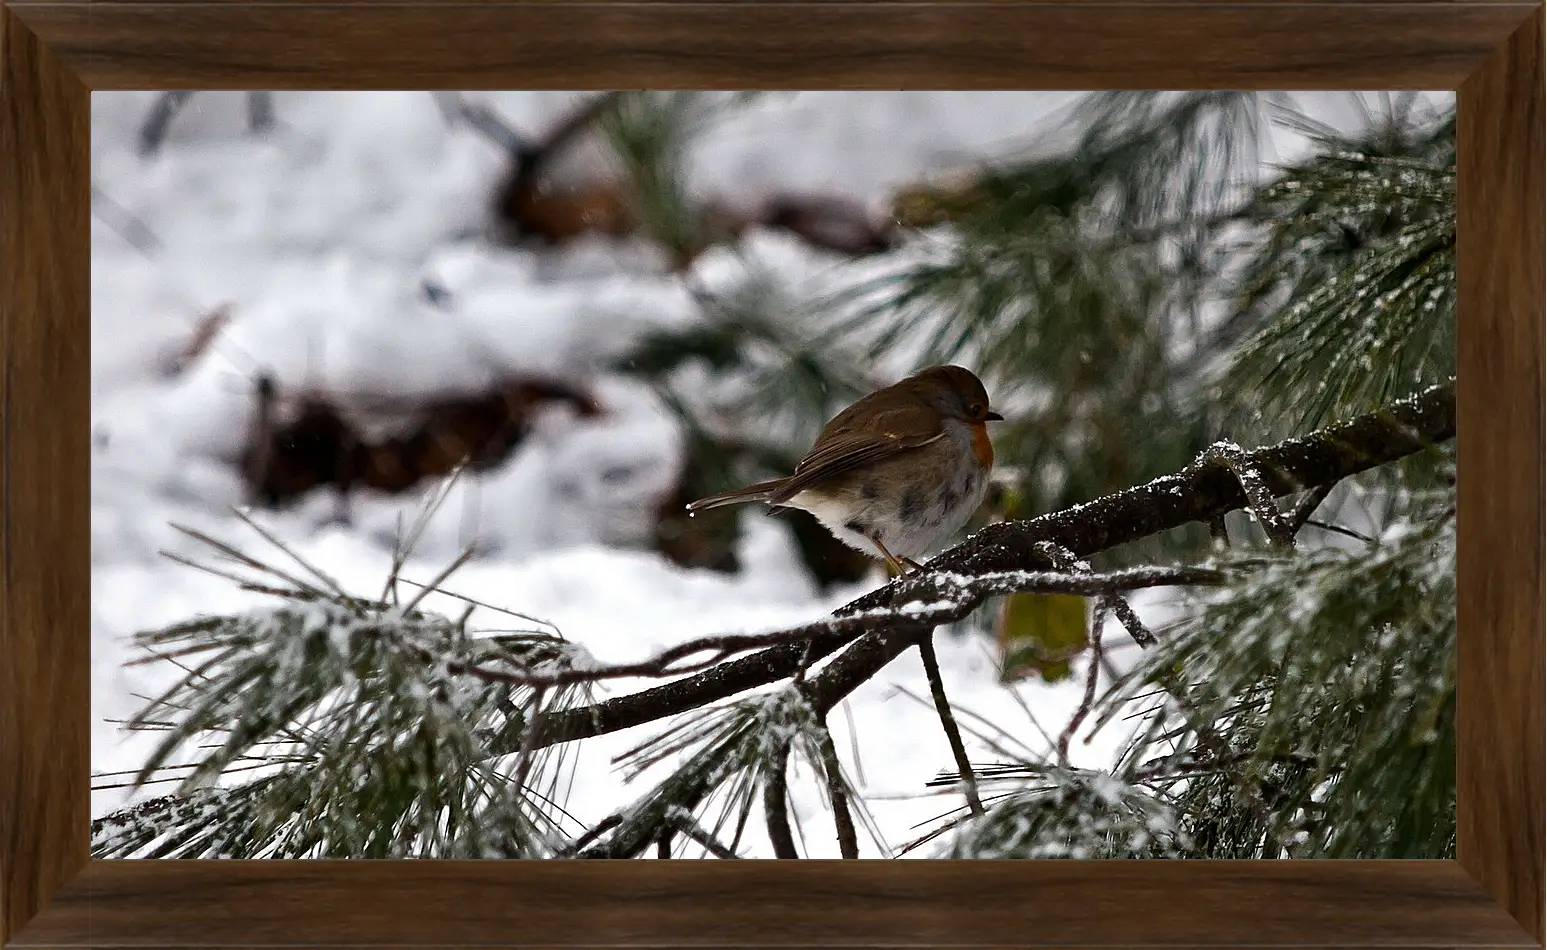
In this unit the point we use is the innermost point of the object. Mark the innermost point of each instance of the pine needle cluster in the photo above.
(366, 727)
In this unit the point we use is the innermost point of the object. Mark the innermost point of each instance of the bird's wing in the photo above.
(846, 444)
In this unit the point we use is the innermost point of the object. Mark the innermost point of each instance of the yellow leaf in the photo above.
(1041, 633)
(930, 203)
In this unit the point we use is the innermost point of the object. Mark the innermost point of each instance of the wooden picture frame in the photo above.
(54, 54)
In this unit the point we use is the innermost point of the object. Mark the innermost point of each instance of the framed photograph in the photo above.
(1148, 403)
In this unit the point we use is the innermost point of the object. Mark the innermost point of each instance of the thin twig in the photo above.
(260, 112)
(805, 662)
(434, 585)
(529, 743)
(1142, 635)
(1067, 560)
(159, 120)
(776, 810)
(1087, 702)
(123, 222)
(680, 819)
(1300, 515)
(602, 827)
(948, 722)
(843, 819)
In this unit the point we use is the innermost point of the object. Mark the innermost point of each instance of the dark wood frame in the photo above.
(54, 54)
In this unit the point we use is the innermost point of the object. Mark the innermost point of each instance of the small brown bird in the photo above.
(898, 472)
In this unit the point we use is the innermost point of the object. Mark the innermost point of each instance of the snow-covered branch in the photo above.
(939, 599)
(1000, 552)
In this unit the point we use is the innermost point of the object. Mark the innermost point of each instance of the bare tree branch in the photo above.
(948, 723)
(1067, 560)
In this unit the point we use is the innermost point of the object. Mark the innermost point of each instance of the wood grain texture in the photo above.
(1324, 44)
(801, 46)
(771, 903)
(1499, 549)
(45, 656)
(1266, 5)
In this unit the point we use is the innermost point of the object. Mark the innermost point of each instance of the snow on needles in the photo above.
(322, 238)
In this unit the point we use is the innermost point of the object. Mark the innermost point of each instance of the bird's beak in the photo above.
(994, 417)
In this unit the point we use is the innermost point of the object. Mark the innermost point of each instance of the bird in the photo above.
(897, 473)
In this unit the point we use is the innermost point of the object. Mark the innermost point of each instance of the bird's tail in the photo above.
(759, 492)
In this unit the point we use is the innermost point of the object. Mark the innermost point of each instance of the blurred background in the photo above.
(539, 323)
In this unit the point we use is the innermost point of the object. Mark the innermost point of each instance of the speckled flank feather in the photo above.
(910, 519)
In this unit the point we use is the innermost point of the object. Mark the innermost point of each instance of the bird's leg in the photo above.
(915, 565)
(893, 564)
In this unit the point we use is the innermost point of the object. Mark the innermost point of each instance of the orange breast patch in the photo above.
(982, 447)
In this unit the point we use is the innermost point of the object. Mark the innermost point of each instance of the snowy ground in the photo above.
(320, 238)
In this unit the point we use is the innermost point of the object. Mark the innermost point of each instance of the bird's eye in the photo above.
(976, 409)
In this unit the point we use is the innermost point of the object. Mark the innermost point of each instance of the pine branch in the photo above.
(1198, 494)
(731, 753)
(1319, 698)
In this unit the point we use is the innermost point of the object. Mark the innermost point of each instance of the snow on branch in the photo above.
(945, 598)
(999, 556)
